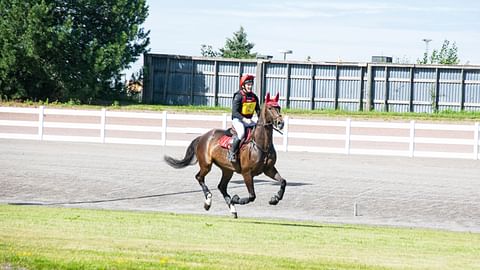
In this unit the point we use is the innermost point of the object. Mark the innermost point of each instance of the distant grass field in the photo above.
(437, 116)
(66, 238)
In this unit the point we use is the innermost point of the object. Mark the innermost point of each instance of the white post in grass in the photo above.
(348, 128)
(475, 142)
(41, 117)
(224, 121)
(411, 146)
(285, 133)
(103, 122)
(164, 128)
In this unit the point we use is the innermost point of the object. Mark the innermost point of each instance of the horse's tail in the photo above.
(189, 158)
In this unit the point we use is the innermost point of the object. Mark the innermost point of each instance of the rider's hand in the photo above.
(247, 121)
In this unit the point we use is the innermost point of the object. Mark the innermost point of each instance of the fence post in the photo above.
(412, 93)
(288, 85)
(103, 122)
(411, 147)
(164, 128)
(475, 143)
(369, 90)
(361, 102)
(348, 127)
(437, 90)
(165, 84)
(387, 90)
(312, 86)
(337, 86)
(285, 134)
(215, 83)
(41, 116)
(462, 92)
(224, 121)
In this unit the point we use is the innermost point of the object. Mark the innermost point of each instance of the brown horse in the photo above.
(256, 157)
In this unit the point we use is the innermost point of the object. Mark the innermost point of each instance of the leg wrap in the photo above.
(280, 193)
(237, 200)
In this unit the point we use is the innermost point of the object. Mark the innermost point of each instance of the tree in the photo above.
(207, 51)
(21, 69)
(61, 49)
(447, 55)
(238, 46)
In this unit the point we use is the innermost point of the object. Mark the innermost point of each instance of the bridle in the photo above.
(276, 120)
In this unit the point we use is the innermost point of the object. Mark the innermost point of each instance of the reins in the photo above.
(264, 151)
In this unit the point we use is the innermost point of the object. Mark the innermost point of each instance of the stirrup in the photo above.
(231, 156)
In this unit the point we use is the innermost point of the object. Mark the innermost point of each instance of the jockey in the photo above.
(245, 103)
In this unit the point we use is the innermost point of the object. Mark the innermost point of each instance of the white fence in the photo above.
(411, 139)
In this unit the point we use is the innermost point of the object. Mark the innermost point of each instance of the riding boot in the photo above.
(233, 149)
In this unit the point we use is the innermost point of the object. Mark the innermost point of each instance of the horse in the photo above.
(254, 158)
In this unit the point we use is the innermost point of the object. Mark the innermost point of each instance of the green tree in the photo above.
(61, 49)
(21, 27)
(207, 51)
(447, 55)
(238, 46)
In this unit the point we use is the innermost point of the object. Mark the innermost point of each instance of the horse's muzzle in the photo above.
(280, 124)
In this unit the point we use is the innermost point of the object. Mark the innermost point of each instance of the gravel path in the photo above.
(418, 192)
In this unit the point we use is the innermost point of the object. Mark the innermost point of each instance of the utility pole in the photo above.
(285, 52)
(426, 40)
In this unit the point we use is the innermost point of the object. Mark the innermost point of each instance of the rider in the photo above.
(245, 103)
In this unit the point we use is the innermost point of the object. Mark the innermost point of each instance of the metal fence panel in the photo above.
(184, 80)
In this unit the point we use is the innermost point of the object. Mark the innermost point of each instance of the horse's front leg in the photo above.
(273, 173)
(248, 179)
(200, 176)
(222, 186)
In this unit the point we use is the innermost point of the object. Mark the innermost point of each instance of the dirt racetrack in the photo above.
(398, 191)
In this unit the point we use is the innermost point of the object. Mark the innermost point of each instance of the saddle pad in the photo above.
(225, 141)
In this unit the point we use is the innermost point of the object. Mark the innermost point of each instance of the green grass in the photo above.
(447, 115)
(66, 238)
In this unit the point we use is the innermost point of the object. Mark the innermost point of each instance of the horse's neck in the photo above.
(263, 134)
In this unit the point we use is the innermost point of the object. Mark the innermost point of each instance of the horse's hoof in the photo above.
(208, 202)
(233, 211)
(235, 199)
(206, 206)
(274, 200)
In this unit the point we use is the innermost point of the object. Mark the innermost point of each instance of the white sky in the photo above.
(350, 30)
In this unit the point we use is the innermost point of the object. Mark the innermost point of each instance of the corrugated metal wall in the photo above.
(184, 80)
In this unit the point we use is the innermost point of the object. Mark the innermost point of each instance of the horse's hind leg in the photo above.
(273, 173)
(204, 170)
(248, 179)
(222, 186)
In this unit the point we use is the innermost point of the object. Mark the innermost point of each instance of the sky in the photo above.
(348, 31)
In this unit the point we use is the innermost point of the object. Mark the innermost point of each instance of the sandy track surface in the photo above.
(418, 192)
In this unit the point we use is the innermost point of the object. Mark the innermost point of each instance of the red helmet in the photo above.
(246, 79)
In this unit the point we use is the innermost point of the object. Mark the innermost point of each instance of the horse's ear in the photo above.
(276, 97)
(267, 97)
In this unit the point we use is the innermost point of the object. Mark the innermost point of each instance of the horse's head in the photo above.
(272, 115)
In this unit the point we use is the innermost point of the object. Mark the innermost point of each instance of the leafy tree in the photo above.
(62, 49)
(21, 27)
(447, 55)
(238, 46)
(207, 51)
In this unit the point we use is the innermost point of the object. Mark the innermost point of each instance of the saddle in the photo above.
(226, 140)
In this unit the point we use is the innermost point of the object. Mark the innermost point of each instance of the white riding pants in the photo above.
(239, 127)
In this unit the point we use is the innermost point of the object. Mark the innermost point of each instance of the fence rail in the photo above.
(172, 129)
